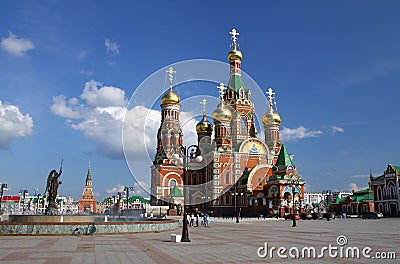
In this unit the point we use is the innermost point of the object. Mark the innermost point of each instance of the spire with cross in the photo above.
(234, 35)
(204, 103)
(271, 98)
(222, 89)
(271, 94)
(171, 73)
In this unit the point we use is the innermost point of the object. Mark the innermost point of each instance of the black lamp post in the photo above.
(235, 197)
(38, 203)
(24, 193)
(119, 200)
(187, 156)
(2, 187)
(126, 190)
(294, 183)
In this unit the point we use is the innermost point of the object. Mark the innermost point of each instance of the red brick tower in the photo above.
(88, 203)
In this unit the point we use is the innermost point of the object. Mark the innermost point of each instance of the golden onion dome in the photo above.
(271, 117)
(204, 126)
(235, 55)
(170, 97)
(222, 113)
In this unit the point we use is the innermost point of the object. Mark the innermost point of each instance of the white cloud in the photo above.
(140, 188)
(336, 129)
(82, 54)
(13, 124)
(100, 113)
(87, 73)
(354, 187)
(62, 108)
(360, 176)
(115, 189)
(15, 46)
(103, 97)
(112, 47)
(298, 133)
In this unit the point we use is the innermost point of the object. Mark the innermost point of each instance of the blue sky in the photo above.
(68, 69)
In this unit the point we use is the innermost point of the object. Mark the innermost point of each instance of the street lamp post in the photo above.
(294, 183)
(2, 187)
(126, 190)
(187, 156)
(235, 197)
(114, 205)
(119, 201)
(24, 193)
(38, 203)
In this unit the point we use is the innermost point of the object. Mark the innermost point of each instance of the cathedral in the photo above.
(230, 170)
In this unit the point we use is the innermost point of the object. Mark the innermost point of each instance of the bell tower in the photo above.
(238, 98)
(169, 136)
(271, 121)
(222, 117)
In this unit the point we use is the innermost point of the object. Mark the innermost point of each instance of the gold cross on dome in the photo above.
(170, 72)
(234, 33)
(204, 103)
(222, 89)
(270, 95)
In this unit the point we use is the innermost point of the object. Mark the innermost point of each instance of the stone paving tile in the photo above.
(224, 242)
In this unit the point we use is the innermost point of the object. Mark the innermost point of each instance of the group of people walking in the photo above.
(204, 219)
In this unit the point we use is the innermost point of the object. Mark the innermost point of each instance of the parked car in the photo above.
(372, 215)
(291, 216)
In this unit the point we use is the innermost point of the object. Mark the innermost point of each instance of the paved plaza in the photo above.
(224, 242)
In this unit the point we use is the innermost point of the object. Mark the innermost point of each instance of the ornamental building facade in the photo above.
(231, 170)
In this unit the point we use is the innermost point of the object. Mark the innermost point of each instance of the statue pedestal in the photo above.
(172, 212)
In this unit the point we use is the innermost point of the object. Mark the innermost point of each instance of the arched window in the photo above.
(380, 208)
(241, 93)
(379, 193)
(391, 190)
(243, 126)
(172, 143)
(227, 178)
(227, 199)
(172, 184)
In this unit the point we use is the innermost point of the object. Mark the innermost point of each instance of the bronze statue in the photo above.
(51, 191)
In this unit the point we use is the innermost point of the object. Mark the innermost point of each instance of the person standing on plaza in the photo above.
(208, 220)
(205, 220)
(197, 219)
(188, 218)
(192, 220)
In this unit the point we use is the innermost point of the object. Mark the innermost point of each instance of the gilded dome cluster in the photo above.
(271, 117)
(222, 113)
(235, 55)
(170, 97)
(204, 126)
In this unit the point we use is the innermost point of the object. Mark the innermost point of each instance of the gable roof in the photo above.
(12, 198)
(175, 192)
(140, 198)
(398, 169)
(283, 158)
(363, 195)
(235, 83)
